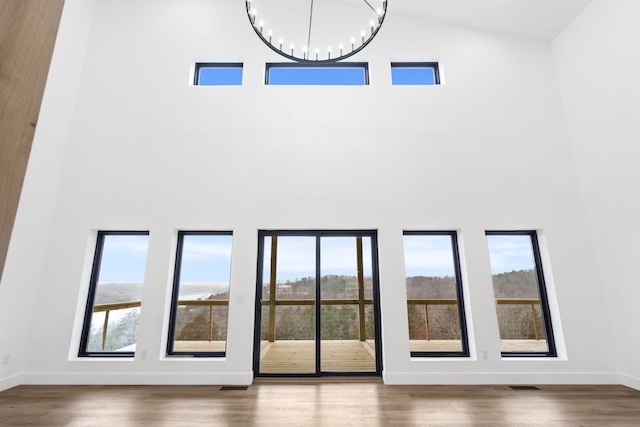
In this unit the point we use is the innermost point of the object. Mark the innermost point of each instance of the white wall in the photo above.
(598, 67)
(26, 258)
(146, 151)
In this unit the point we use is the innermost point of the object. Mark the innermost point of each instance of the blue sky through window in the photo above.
(317, 76)
(413, 75)
(428, 255)
(206, 258)
(297, 257)
(220, 76)
(510, 253)
(124, 258)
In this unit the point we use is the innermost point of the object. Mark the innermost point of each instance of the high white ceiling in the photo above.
(537, 19)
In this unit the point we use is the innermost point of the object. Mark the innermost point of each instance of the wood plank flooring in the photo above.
(319, 403)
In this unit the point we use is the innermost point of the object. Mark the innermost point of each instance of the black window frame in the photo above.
(363, 65)
(542, 289)
(201, 65)
(318, 235)
(175, 296)
(93, 284)
(464, 336)
(433, 65)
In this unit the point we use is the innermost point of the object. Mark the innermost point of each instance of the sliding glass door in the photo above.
(317, 304)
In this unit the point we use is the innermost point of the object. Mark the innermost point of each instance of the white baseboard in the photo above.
(246, 378)
(147, 378)
(10, 382)
(629, 381)
(457, 378)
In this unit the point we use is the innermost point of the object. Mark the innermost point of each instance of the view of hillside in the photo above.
(339, 322)
(514, 321)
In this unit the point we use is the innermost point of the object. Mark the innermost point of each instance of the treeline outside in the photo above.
(340, 322)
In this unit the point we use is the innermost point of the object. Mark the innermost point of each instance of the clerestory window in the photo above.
(218, 74)
(336, 74)
(415, 73)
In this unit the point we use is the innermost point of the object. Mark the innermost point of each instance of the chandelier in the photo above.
(316, 31)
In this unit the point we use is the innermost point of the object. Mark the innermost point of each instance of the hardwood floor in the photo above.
(326, 402)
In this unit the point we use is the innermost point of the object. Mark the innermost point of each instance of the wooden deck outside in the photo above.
(199, 345)
(337, 356)
(454, 345)
(299, 356)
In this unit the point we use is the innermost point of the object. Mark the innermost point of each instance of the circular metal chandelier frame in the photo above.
(314, 57)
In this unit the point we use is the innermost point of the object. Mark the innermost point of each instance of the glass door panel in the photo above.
(347, 317)
(288, 320)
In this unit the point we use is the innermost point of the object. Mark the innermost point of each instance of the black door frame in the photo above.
(318, 234)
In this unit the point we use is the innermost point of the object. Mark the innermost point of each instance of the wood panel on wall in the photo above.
(28, 30)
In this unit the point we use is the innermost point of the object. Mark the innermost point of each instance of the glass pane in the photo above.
(296, 268)
(219, 76)
(517, 292)
(347, 338)
(118, 294)
(432, 299)
(339, 278)
(413, 76)
(317, 76)
(288, 321)
(203, 293)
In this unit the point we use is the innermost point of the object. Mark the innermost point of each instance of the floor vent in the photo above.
(234, 387)
(523, 387)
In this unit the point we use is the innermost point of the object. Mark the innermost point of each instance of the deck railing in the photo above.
(499, 301)
(107, 308)
(360, 302)
(272, 304)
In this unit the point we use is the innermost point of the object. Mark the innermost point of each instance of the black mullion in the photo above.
(176, 289)
(88, 313)
(544, 307)
(461, 314)
(258, 310)
(318, 307)
(377, 320)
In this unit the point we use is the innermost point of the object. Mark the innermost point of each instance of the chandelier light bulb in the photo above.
(305, 51)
